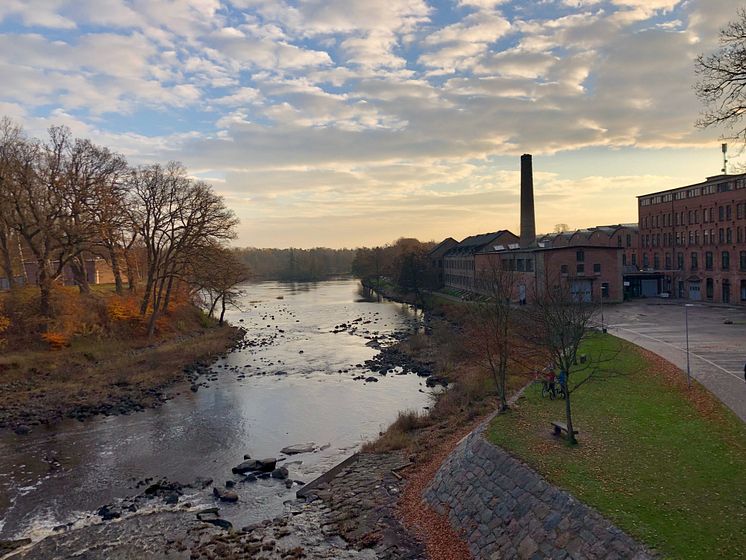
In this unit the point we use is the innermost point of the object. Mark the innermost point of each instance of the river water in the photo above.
(294, 385)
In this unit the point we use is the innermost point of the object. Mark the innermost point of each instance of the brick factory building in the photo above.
(590, 261)
(458, 262)
(693, 241)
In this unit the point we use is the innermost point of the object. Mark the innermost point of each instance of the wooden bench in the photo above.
(560, 427)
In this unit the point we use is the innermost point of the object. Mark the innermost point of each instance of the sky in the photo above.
(344, 123)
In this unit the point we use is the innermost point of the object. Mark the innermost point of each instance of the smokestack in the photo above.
(528, 224)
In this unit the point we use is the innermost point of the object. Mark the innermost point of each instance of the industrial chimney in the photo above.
(528, 224)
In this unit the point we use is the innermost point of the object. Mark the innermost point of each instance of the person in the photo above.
(550, 379)
(563, 380)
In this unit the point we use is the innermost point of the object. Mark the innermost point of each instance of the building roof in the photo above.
(475, 243)
(442, 248)
(710, 180)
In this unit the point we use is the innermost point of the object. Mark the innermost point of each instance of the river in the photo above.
(294, 385)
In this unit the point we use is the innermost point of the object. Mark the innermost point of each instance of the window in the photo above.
(709, 288)
(624, 259)
(725, 261)
(680, 261)
(728, 235)
(604, 290)
(629, 237)
(580, 255)
(721, 235)
(740, 211)
(708, 260)
(563, 269)
(668, 261)
(521, 265)
(634, 259)
(656, 262)
(645, 261)
(742, 261)
(694, 263)
(721, 213)
(729, 212)
(529, 265)
(619, 241)
(743, 290)
(597, 268)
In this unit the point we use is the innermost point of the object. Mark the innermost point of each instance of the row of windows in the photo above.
(725, 290)
(460, 264)
(689, 217)
(722, 236)
(725, 186)
(519, 265)
(580, 268)
(457, 280)
(709, 257)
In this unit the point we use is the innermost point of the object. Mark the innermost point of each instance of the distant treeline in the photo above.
(300, 265)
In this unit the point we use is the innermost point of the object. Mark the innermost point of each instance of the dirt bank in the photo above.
(109, 376)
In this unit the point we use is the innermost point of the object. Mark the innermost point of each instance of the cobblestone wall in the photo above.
(507, 510)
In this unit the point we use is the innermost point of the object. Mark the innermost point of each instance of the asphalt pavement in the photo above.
(717, 341)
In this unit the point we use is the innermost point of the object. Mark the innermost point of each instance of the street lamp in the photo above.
(686, 323)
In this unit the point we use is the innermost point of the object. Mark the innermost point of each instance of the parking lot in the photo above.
(717, 341)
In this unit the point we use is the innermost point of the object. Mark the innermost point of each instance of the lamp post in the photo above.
(686, 323)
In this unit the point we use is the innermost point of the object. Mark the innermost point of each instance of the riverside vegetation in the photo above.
(662, 461)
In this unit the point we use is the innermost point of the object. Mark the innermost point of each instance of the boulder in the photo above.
(225, 495)
(280, 472)
(222, 523)
(371, 379)
(298, 448)
(22, 430)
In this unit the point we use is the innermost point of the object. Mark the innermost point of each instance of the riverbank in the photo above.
(109, 376)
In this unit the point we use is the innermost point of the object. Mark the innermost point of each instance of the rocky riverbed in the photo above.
(351, 515)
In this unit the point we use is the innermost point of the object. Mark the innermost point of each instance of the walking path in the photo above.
(717, 342)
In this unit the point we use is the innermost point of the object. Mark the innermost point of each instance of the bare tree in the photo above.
(492, 334)
(10, 135)
(217, 272)
(176, 218)
(560, 321)
(722, 79)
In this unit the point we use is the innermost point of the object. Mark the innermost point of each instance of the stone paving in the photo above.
(507, 510)
(362, 500)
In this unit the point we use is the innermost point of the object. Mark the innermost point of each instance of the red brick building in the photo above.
(594, 272)
(693, 241)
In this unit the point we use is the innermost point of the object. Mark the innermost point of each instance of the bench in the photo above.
(560, 427)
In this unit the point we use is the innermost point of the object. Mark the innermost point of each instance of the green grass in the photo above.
(666, 464)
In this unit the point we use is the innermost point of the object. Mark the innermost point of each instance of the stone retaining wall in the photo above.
(507, 510)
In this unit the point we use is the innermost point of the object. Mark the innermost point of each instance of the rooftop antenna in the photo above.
(724, 147)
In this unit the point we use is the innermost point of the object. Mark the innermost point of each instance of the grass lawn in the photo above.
(665, 463)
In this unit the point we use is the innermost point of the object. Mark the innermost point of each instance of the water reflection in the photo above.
(295, 387)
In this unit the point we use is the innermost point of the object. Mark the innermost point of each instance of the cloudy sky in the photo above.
(354, 122)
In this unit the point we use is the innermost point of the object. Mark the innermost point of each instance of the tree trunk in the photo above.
(222, 310)
(114, 259)
(568, 415)
(157, 298)
(212, 306)
(131, 272)
(148, 290)
(77, 265)
(167, 300)
(45, 288)
(7, 262)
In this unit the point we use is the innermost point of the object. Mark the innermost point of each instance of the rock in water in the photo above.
(280, 472)
(225, 495)
(298, 448)
(371, 379)
(222, 523)
(246, 466)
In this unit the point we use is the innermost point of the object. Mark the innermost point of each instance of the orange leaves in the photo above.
(56, 340)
